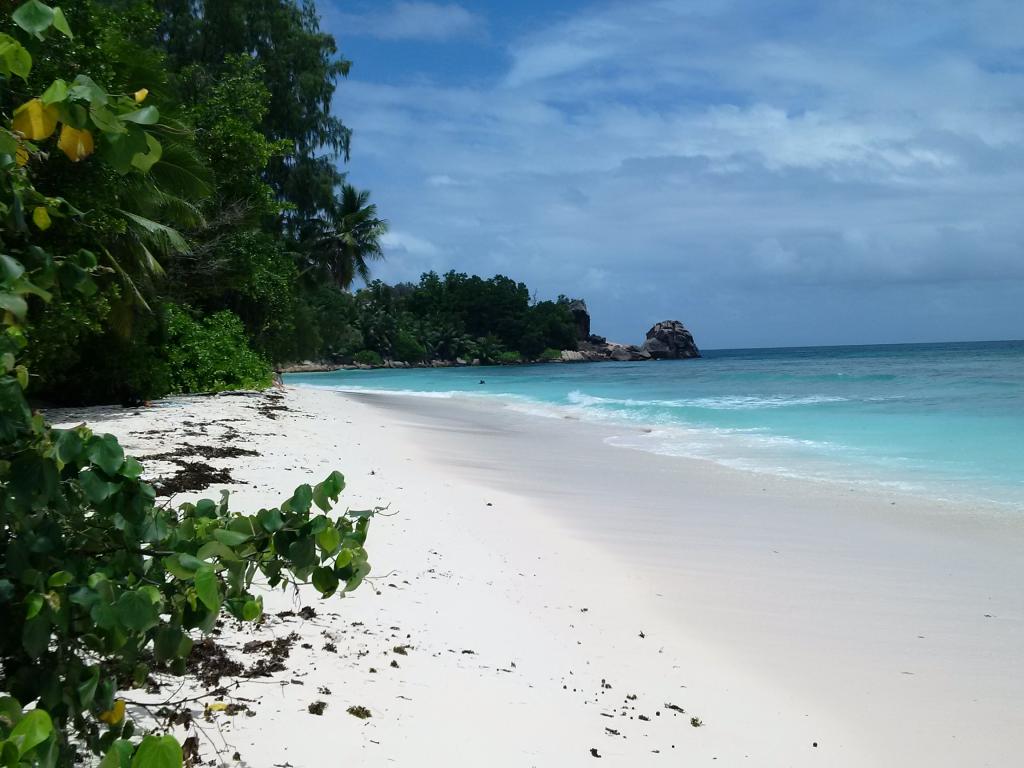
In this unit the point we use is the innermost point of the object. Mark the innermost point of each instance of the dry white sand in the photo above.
(557, 593)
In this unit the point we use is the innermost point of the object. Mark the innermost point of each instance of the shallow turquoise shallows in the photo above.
(943, 420)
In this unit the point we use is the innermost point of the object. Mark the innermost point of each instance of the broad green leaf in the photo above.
(144, 161)
(60, 23)
(58, 91)
(158, 752)
(119, 755)
(87, 688)
(230, 538)
(31, 731)
(84, 88)
(105, 452)
(271, 520)
(252, 610)
(144, 116)
(131, 469)
(13, 303)
(96, 489)
(329, 540)
(34, 17)
(325, 580)
(207, 587)
(137, 612)
(33, 605)
(68, 445)
(59, 579)
(300, 501)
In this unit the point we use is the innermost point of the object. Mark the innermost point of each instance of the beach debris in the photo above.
(594, 752)
(469, 652)
(675, 707)
(317, 707)
(208, 662)
(611, 731)
(696, 722)
(401, 650)
(645, 718)
(394, 663)
(359, 711)
(642, 635)
(193, 476)
(324, 690)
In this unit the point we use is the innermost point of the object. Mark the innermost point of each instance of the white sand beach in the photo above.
(543, 598)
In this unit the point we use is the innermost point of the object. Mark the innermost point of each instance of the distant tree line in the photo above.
(450, 317)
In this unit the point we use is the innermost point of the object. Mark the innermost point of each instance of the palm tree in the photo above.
(342, 243)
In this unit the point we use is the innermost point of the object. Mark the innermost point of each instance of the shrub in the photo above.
(508, 358)
(407, 348)
(212, 354)
(367, 357)
(551, 354)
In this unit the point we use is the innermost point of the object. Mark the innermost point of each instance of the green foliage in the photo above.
(408, 348)
(551, 354)
(508, 358)
(211, 354)
(98, 583)
(367, 357)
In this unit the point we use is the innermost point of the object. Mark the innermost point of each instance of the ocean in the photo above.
(945, 421)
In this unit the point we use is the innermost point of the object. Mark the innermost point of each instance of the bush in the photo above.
(407, 348)
(551, 354)
(212, 354)
(508, 358)
(367, 357)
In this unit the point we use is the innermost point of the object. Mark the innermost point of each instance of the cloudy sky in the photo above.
(770, 173)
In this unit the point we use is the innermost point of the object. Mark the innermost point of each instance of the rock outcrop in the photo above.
(581, 316)
(669, 340)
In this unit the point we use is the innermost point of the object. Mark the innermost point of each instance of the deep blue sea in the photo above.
(940, 420)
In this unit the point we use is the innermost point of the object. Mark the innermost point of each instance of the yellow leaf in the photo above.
(141, 94)
(41, 218)
(21, 156)
(114, 715)
(35, 120)
(216, 706)
(76, 144)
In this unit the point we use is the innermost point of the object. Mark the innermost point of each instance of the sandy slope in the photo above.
(541, 581)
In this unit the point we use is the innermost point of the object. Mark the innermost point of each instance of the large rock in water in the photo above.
(669, 340)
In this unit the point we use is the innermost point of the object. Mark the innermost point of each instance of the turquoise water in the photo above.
(943, 420)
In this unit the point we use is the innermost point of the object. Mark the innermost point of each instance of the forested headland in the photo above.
(225, 238)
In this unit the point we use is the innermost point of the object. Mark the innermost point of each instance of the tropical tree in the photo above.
(341, 244)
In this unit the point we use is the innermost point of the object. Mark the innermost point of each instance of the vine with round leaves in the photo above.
(98, 583)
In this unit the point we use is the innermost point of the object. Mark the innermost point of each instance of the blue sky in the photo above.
(770, 173)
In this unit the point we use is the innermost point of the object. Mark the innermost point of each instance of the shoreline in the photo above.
(779, 618)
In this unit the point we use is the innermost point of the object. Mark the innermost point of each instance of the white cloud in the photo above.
(707, 148)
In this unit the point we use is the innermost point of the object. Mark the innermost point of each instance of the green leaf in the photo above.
(59, 579)
(251, 610)
(327, 492)
(13, 303)
(87, 688)
(207, 587)
(300, 501)
(325, 580)
(67, 446)
(144, 116)
(137, 612)
(132, 469)
(96, 489)
(105, 452)
(8, 146)
(270, 520)
(158, 752)
(58, 91)
(230, 538)
(60, 23)
(34, 17)
(105, 120)
(31, 731)
(144, 161)
(33, 605)
(84, 88)
(119, 755)
(329, 540)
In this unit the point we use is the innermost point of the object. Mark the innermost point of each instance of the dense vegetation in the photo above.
(242, 233)
(99, 585)
(451, 317)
